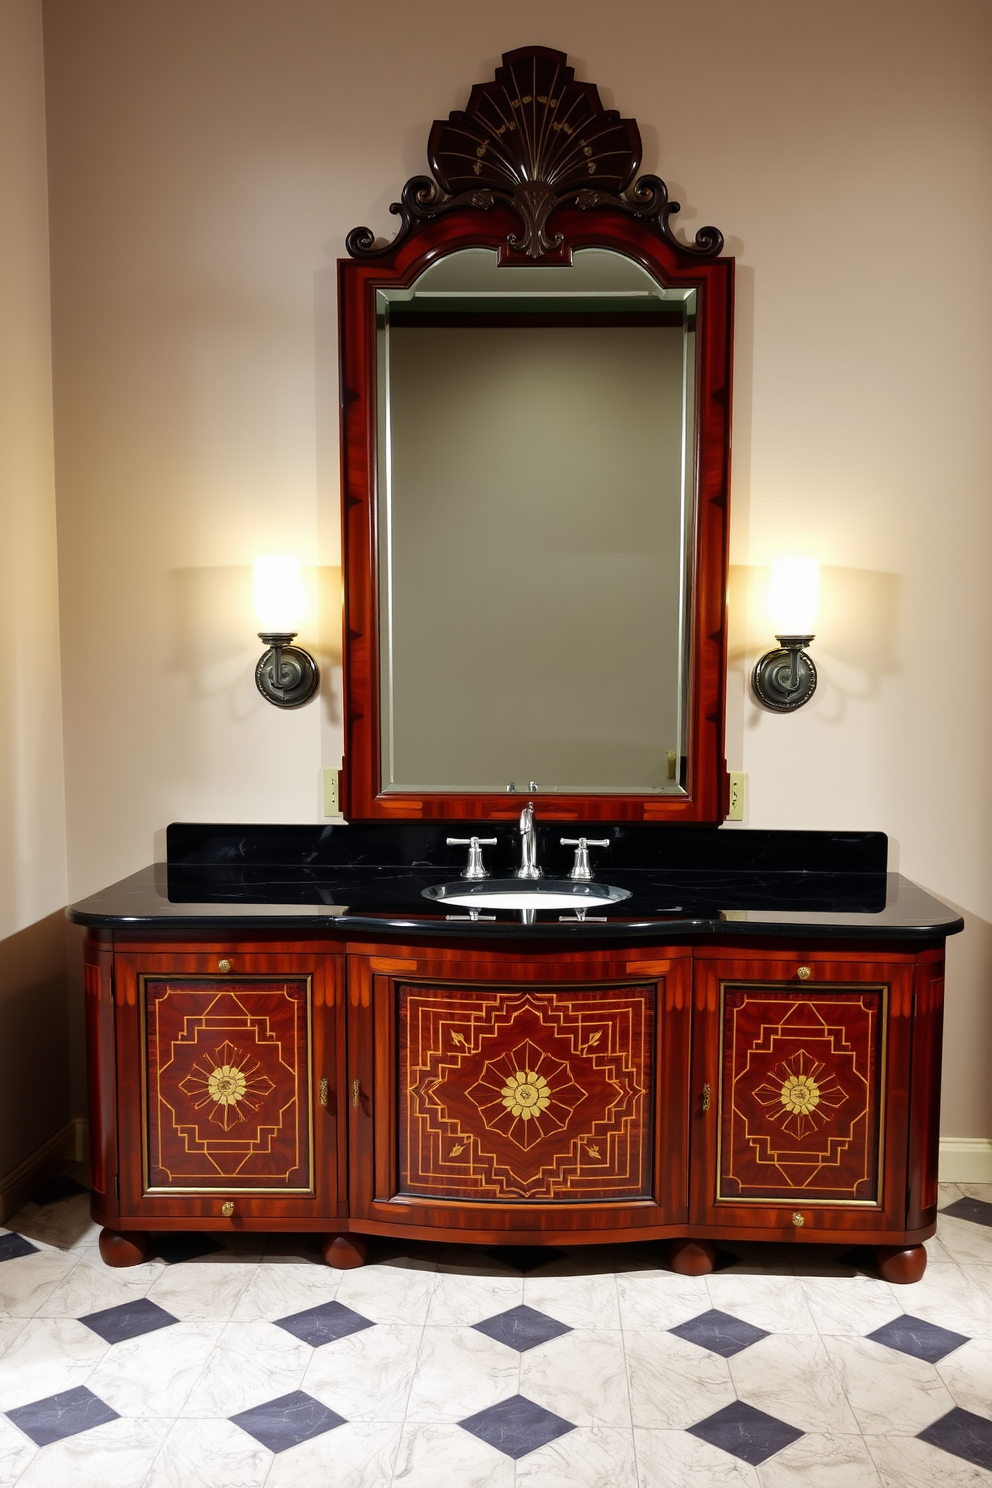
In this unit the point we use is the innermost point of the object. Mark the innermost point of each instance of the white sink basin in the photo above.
(515, 893)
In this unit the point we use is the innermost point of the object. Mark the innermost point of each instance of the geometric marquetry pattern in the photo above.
(228, 1069)
(800, 1094)
(524, 1094)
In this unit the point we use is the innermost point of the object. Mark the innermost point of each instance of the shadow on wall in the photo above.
(857, 628)
(214, 631)
(966, 1093)
(34, 1039)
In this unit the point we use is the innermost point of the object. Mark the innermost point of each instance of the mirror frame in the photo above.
(535, 205)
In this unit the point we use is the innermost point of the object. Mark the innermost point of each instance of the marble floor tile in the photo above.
(817, 1461)
(848, 1304)
(28, 1281)
(429, 1456)
(958, 1297)
(589, 1457)
(388, 1293)
(90, 1286)
(273, 1291)
(366, 1376)
(964, 1241)
(580, 1301)
(886, 1390)
(660, 1299)
(16, 1451)
(673, 1459)
(10, 1328)
(791, 1376)
(65, 1224)
(774, 1303)
(458, 1299)
(47, 1356)
(359, 1454)
(459, 1372)
(907, 1462)
(208, 1454)
(154, 1374)
(201, 1291)
(119, 1453)
(673, 1384)
(967, 1373)
(251, 1362)
(582, 1376)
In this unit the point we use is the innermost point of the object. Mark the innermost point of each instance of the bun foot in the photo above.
(692, 1257)
(117, 1249)
(900, 1264)
(345, 1252)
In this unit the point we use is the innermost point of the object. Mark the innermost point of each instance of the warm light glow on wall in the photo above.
(279, 594)
(794, 596)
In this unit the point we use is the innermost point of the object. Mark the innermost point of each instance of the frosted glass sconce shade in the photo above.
(785, 679)
(286, 675)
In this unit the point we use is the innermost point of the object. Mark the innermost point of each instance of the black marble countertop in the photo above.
(367, 882)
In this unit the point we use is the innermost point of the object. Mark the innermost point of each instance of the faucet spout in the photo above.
(528, 845)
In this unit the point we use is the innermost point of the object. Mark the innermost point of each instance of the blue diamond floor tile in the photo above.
(62, 1187)
(912, 1335)
(744, 1432)
(62, 1415)
(974, 1209)
(963, 1434)
(176, 1246)
(516, 1426)
(128, 1320)
(719, 1332)
(526, 1257)
(522, 1328)
(285, 1422)
(12, 1246)
(324, 1324)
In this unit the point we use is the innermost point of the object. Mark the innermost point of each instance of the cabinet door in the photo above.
(495, 1089)
(228, 1083)
(802, 1080)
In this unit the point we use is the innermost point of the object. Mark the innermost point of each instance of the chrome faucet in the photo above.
(528, 845)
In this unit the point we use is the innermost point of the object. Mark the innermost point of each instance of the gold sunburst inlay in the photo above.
(526, 1094)
(800, 1094)
(227, 1084)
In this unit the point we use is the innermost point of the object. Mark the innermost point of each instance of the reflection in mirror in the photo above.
(534, 467)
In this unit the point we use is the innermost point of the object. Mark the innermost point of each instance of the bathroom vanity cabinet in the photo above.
(511, 1091)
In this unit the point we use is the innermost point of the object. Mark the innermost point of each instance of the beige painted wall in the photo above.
(33, 1035)
(207, 158)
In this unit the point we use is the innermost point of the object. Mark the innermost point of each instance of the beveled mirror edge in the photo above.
(568, 224)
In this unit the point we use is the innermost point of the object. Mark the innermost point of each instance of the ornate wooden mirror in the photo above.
(536, 425)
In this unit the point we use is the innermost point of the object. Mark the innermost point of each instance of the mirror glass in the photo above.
(534, 468)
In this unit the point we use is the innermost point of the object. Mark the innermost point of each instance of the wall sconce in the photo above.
(785, 679)
(285, 675)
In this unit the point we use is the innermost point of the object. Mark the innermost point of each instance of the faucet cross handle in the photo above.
(580, 868)
(475, 868)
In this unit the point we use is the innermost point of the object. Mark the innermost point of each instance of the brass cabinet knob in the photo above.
(322, 1090)
(224, 965)
(227, 1208)
(804, 973)
(798, 1220)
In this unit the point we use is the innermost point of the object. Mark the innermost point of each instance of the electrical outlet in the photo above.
(738, 791)
(329, 779)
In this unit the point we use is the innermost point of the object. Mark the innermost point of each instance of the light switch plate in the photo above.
(738, 792)
(329, 791)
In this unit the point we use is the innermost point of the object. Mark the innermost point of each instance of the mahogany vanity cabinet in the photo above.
(488, 1093)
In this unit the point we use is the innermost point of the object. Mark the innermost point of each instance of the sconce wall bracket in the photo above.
(286, 675)
(785, 679)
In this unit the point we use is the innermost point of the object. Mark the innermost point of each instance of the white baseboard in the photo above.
(66, 1145)
(965, 1160)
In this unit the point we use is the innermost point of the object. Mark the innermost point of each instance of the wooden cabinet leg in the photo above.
(899, 1264)
(119, 1249)
(692, 1257)
(345, 1252)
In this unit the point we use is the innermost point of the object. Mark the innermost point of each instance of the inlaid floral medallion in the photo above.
(800, 1096)
(228, 1078)
(535, 1095)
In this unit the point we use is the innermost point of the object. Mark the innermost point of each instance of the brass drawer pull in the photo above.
(798, 1220)
(322, 1088)
(804, 973)
(706, 1097)
(224, 965)
(356, 1090)
(227, 1208)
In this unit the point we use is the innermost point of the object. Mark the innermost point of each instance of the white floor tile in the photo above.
(579, 1301)
(120, 1453)
(906, 1462)
(790, 1375)
(459, 1372)
(674, 1383)
(672, 1459)
(660, 1299)
(251, 1363)
(589, 1457)
(887, 1390)
(356, 1455)
(431, 1456)
(47, 1356)
(816, 1461)
(366, 1376)
(581, 1376)
(208, 1454)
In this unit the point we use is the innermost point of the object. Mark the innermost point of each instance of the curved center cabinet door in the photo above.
(227, 1067)
(807, 1067)
(495, 1095)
